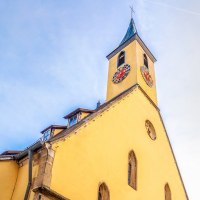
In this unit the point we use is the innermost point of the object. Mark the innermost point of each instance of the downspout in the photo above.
(29, 151)
(30, 156)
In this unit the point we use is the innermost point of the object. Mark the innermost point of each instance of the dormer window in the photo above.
(51, 131)
(47, 134)
(73, 120)
(77, 115)
(121, 58)
(146, 61)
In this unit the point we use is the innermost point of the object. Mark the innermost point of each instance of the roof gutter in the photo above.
(24, 153)
(6, 157)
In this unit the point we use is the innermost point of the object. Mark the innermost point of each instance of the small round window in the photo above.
(150, 130)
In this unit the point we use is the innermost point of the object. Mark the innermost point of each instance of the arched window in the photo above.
(121, 58)
(167, 192)
(132, 170)
(146, 61)
(103, 193)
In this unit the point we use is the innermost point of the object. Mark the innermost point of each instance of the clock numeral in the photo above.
(121, 74)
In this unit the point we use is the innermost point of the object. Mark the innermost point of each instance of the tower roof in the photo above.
(130, 32)
(130, 36)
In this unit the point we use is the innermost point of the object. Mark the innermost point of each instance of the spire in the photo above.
(130, 32)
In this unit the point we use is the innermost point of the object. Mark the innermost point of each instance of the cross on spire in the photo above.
(131, 29)
(132, 11)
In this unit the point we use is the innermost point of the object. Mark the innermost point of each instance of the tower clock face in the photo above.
(121, 73)
(147, 76)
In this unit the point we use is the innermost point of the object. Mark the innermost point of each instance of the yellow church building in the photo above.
(118, 151)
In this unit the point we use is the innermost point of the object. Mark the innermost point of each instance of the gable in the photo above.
(97, 151)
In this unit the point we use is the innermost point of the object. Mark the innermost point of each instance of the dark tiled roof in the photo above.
(129, 37)
(77, 111)
(10, 152)
(139, 40)
(130, 32)
(55, 127)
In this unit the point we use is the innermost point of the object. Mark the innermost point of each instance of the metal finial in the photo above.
(98, 104)
(132, 11)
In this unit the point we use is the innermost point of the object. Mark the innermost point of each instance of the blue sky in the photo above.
(52, 60)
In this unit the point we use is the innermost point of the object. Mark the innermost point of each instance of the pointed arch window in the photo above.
(146, 61)
(132, 170)
(167, 192)
(103, 193)
(121, 58)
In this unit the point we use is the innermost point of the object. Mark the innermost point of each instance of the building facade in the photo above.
(119, 151)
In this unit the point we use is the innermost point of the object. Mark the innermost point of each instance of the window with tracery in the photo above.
(132, 170)
(103, 193)
(167, 192)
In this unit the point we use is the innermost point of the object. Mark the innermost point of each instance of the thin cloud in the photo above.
(175, 8)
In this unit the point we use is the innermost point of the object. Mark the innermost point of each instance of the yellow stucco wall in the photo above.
(8, 176)
(151, 91)
(130, 58)
(83, 115)
(134, 57)
(57, 130)
(22, 180)
(98, 152)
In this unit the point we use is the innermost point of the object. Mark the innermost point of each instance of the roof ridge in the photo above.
(97, 111)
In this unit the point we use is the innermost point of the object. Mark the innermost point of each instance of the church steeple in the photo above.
(131, 31)
(131, 63)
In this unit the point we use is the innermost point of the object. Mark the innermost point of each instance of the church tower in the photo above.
(129, 64)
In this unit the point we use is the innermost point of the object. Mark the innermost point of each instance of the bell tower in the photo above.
(129, 64)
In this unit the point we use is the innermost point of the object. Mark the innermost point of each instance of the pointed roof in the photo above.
(130, 32)
(130, 36)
